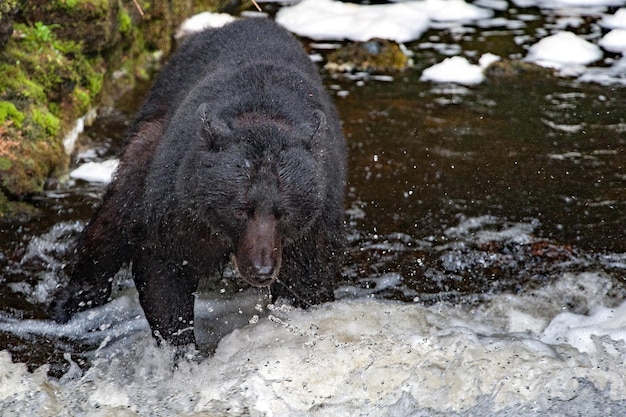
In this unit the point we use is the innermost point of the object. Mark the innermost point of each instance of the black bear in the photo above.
(237, 153)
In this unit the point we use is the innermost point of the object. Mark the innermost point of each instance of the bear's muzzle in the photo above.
(259, 252)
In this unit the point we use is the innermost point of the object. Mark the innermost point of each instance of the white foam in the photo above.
(615, 21)
(360, 356)
(614, 41)
(401, 21)
(565, 4)
(100, 172)
(563, 49)
(613, 75)
(455, 69)
(578, 330)
(451, 10)
(334, 20)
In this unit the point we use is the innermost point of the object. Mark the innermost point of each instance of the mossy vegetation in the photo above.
(61, 59)
(45, 82)
(125, 22)
(9, 112)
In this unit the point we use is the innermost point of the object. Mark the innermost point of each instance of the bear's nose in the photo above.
(263, 266)
(258, 254)
(261, 281)
(263, 271)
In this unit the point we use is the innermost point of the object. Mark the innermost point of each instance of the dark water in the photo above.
(454, 193)
(423, 158)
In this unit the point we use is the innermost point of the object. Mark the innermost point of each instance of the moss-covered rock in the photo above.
(25, 164)
(377, 55)
(8, 111)
(16, 211)
(62, 58)
(162, 18)
(507, 69)
(91, 22)
(45, 83)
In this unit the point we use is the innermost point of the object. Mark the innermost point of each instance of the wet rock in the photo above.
(16, 212)
(377, 55)
(8, 9)
(507, 69)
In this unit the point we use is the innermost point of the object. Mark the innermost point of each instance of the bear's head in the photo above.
(257, 180)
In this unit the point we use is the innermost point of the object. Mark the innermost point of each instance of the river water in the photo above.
(485, 274)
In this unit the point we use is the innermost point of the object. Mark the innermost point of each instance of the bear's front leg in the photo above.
(310, 269)
(166, 294)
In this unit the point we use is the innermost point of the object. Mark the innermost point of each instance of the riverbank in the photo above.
(60, 60)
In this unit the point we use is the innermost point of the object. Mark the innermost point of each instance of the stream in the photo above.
(485, 270)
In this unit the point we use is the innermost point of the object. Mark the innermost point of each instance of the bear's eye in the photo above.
(241, 214)
(282, 214)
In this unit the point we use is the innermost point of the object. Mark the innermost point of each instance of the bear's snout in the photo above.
(259, 251)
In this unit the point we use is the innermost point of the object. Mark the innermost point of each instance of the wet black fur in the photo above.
(236, 124)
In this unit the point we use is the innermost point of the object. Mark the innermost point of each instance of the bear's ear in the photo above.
(319, 131)
(213, 128)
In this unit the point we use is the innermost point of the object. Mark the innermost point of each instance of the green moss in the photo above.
(94, 82)
(45, 83)
(83, 99)
(69, 3)
(9, 112)
(5, 163)
(16, 85)
(124, 21)
(54, 70)
(48, 122)
(7, 6)
(26, 162)
(40, 67)
(100, 5)
(41, 33)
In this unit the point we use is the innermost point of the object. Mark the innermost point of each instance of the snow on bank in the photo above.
(579, 330)
(69, 141)
(564, 51)
(203, 21)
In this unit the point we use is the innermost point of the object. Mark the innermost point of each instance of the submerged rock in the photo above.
(507, 69)
(377, 55)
